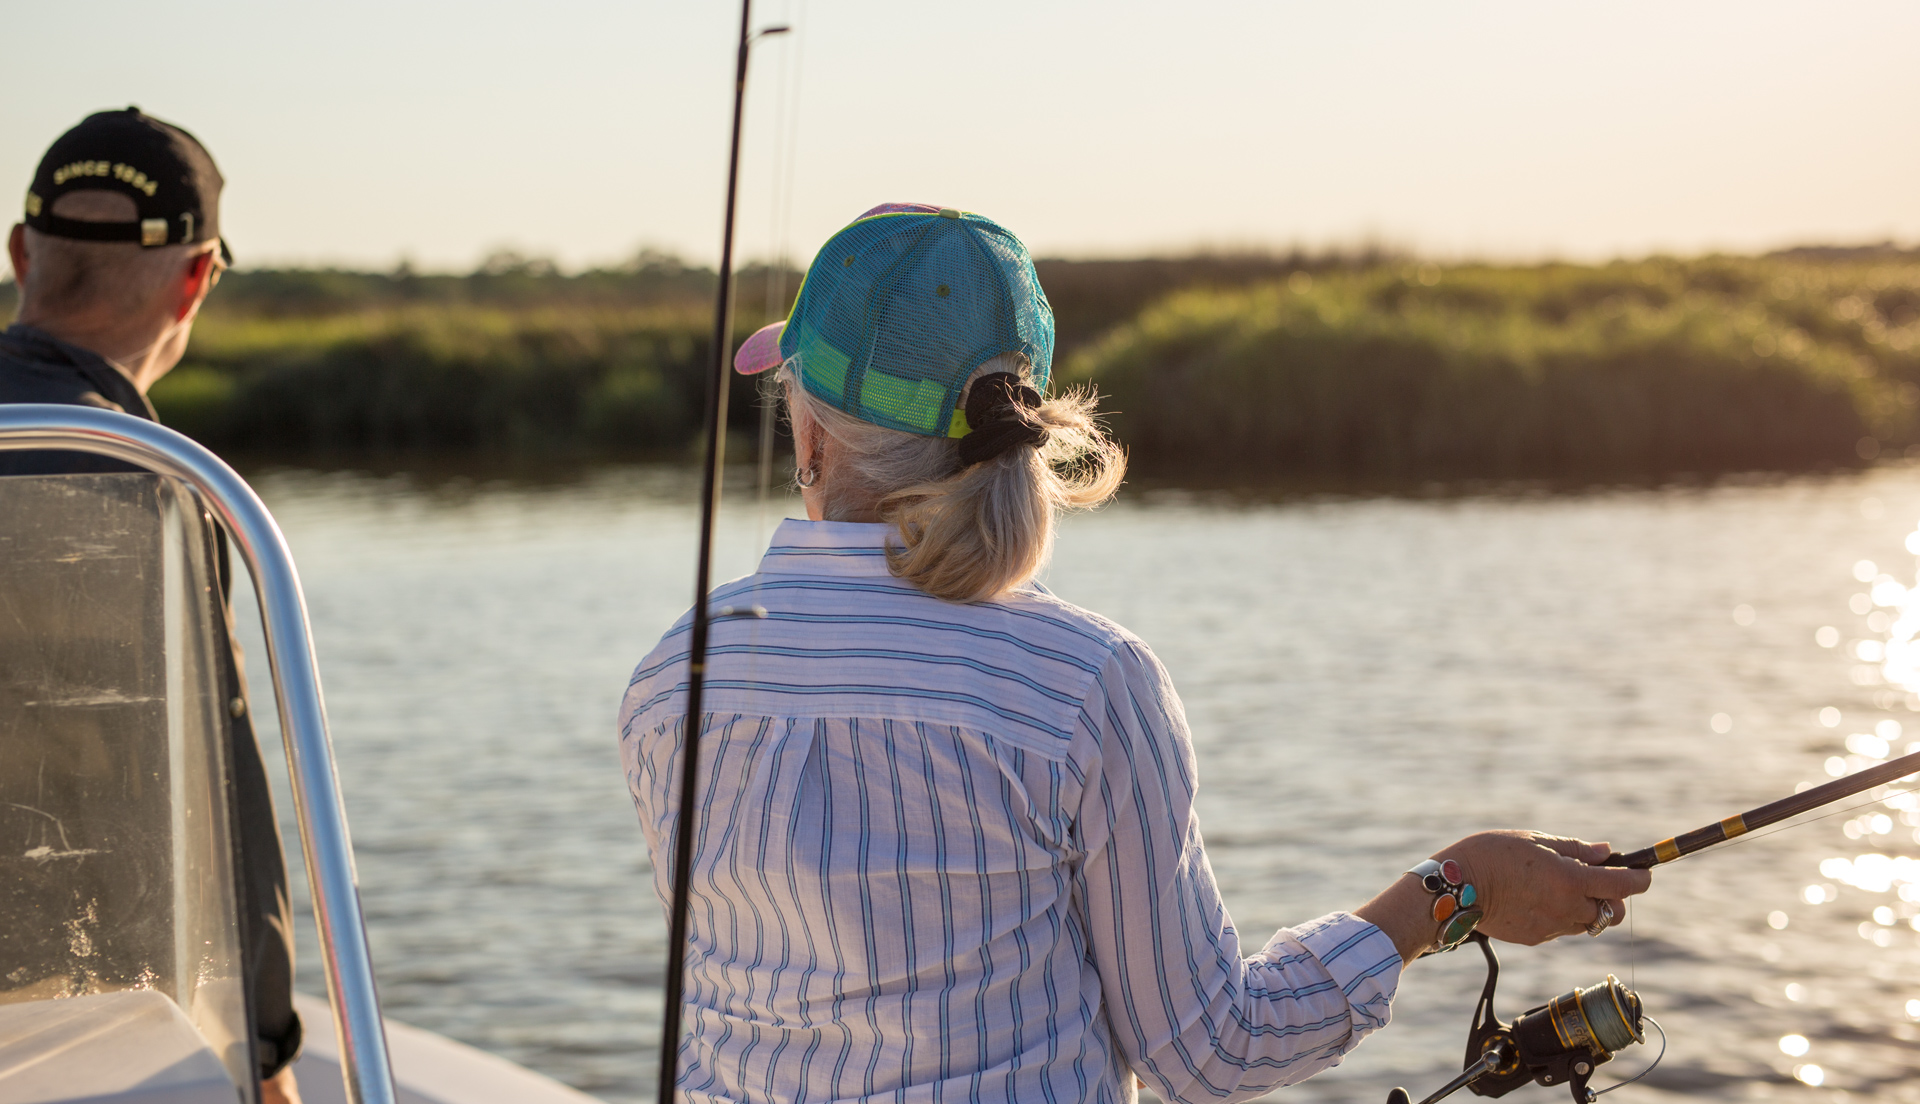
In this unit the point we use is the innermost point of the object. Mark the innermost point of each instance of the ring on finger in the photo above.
(1602, 920)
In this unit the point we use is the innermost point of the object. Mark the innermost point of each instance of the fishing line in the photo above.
(779, 238)
(785, 162)
(774, 275)
(1598, 1093)
(779, 262)
(786, 158)
(1633, 954)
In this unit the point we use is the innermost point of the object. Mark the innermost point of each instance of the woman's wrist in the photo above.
(1458, 903)
(1404, 911)
(1432, 906)
(1399, 911)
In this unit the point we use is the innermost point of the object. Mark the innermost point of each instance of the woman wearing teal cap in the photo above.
(946, 847)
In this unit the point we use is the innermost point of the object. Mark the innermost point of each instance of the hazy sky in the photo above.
(359, 132)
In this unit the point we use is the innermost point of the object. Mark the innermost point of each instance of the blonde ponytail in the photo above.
(967, 533)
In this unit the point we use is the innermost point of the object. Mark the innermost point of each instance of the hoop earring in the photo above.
(806, 476)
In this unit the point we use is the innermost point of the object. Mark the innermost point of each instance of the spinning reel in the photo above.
(1561, 1042)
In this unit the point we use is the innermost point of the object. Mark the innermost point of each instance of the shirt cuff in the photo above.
(1359, 957)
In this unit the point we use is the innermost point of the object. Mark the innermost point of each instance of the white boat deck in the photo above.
(427, 1068)
(129, 1047)
(137, 1047)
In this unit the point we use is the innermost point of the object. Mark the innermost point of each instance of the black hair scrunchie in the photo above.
(996, 411)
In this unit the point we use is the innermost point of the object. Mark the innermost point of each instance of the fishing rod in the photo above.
(1564, 1041)
(716, 428)
(1667, 850)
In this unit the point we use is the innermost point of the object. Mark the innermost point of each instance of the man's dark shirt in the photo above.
(36, 367)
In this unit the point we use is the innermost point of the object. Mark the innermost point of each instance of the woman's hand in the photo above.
(1532, 887)
(1535, 887)
(280, 1088)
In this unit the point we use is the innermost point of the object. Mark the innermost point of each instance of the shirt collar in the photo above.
(802, 547)
(109, 379)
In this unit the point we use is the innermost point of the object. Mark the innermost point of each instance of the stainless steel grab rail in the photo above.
(303, 720)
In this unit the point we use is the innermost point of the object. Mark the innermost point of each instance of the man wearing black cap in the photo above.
(120, 245)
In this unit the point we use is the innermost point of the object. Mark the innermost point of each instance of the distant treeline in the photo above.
(1346, 366)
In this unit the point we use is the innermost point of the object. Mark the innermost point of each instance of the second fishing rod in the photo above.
(702, 621)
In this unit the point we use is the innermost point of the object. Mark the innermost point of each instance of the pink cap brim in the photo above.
(901, 209)
(761, 351)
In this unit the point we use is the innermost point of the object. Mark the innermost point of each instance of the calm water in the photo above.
(1366, 679)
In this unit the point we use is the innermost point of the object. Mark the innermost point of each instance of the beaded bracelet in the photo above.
(1454, 902)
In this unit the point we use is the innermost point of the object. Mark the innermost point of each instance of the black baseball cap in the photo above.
(167, 173)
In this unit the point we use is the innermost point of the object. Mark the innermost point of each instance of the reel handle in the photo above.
(1486, 1062)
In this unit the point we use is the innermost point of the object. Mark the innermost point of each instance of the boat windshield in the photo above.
(116, 870)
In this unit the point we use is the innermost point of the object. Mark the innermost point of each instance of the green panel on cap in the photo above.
(823, 368)
(915, 403)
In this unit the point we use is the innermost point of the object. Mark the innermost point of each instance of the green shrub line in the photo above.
(1627, 370)
(455, 378)
(1370, 367)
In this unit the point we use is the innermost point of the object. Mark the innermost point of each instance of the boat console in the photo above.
(120, 944)
(120, 948)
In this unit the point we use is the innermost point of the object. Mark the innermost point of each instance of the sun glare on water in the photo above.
(1885, 663)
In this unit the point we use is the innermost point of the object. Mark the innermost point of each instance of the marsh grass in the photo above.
(1627, 370)
(1350, 367)
(515, 358)
(448, 378)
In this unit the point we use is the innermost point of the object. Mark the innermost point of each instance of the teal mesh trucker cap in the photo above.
(899, 308)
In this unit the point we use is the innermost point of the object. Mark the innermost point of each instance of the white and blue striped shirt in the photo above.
(948, 853)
